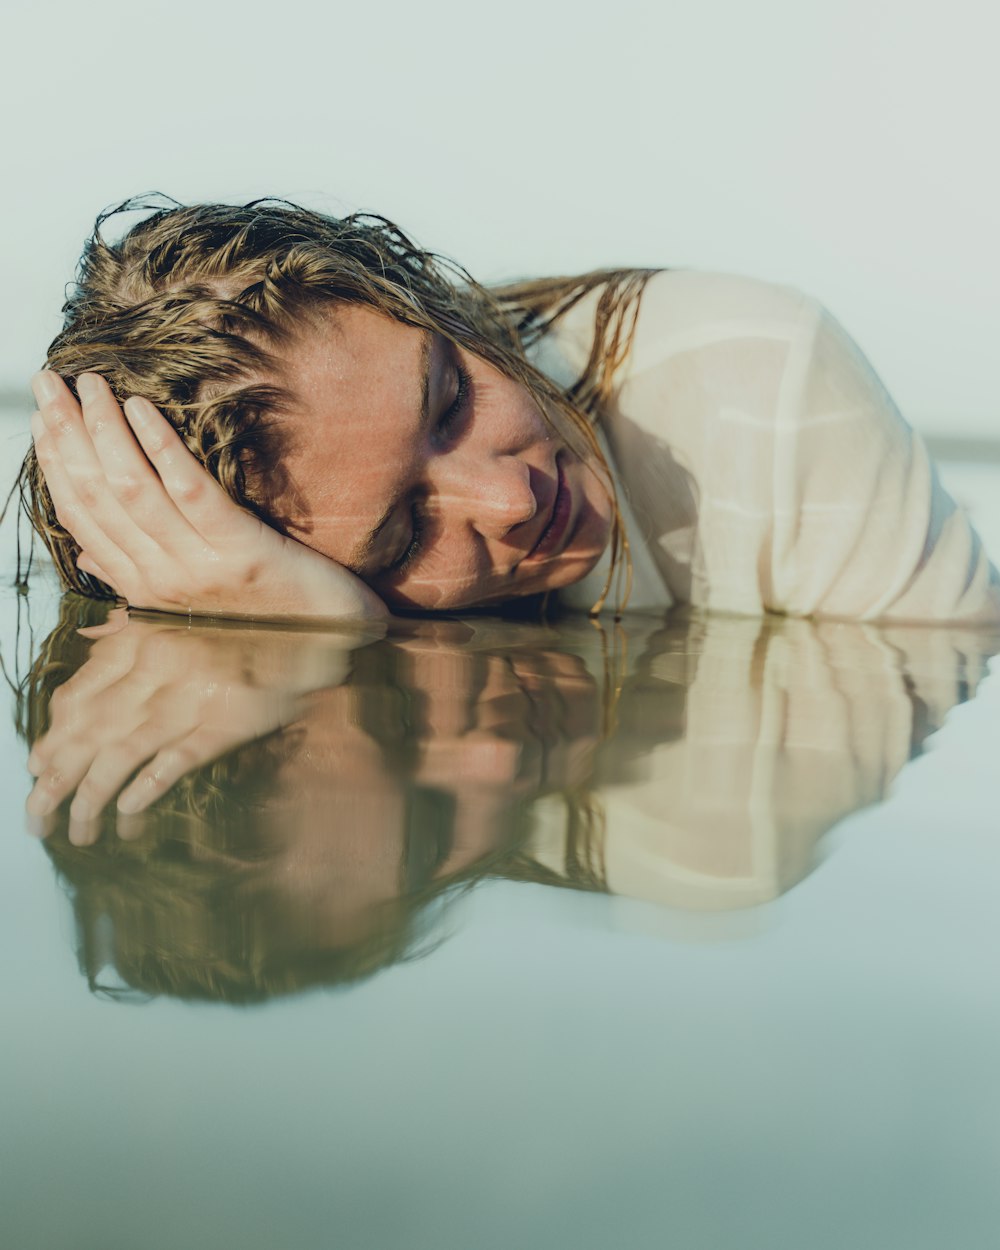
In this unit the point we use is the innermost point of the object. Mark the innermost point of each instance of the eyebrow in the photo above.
(362, 552)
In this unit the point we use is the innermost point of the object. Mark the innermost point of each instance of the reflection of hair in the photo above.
(192, 307)
(191, 907)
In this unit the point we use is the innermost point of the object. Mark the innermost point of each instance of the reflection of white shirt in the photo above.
(784, 727)
(764, 466)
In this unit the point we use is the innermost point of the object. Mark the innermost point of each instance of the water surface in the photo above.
(501, 933)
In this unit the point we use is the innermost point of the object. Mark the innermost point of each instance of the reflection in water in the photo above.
(298, 798)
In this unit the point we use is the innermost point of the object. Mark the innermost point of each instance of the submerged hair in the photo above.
(193, 306)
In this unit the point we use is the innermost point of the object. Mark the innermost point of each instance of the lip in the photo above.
(560, 515)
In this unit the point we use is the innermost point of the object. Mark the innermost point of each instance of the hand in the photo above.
(165, 700)
(159, 530)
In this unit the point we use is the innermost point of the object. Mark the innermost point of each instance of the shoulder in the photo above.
(683, 311)
(688, 311)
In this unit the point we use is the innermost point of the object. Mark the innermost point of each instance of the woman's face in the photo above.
(430, 474)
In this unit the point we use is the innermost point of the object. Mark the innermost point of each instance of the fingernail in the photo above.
(87, 386)
(135, 410)
(83, 832)
(38, 826)
(40, 802)
(129, 802)
(131, 827)
(45, 386)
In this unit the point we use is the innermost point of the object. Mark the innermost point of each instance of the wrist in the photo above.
(317, 588)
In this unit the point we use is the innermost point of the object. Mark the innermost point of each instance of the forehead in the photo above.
(349, 357)
(357, 378)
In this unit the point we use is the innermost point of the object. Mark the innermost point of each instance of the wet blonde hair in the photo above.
(194, 305)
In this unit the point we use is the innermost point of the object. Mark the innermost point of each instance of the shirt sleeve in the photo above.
(862, 527)
(769, 469)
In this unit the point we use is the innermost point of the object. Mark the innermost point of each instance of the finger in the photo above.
(117, 620)
(130, 827)
(115, 763)
(41, 826)
(62, 417)
(200, 747)
(130, 476)
(198, 496)
(105, 666)
(48, 388)
(91, 769)
(90, 700)
(81, 480)
(73, 515)
(57, 781)
(83, 832)
(88, 565)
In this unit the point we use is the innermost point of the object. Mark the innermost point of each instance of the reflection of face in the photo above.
(490, 731)
(429, 473)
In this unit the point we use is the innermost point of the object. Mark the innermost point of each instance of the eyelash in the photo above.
(418, 518)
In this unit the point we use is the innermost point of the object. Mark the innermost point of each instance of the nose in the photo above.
(492, 494)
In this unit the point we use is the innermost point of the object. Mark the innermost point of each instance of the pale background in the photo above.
(566, 1072)
(849, 149)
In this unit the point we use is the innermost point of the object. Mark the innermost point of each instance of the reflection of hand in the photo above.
(159, 530)
(165, 700)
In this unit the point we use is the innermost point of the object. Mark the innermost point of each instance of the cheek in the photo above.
(440, 583)
(600, 507)
(505, 407)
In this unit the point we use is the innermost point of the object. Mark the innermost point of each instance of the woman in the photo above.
(401, 438)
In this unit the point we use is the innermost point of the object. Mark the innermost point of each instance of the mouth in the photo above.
(559, 518)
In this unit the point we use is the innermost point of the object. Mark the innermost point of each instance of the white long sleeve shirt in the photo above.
(763, 466)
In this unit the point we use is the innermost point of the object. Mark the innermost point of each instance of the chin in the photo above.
(564, 570)
(569, 574)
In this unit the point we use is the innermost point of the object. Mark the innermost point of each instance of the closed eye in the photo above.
(449, 418)
(446, 428)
